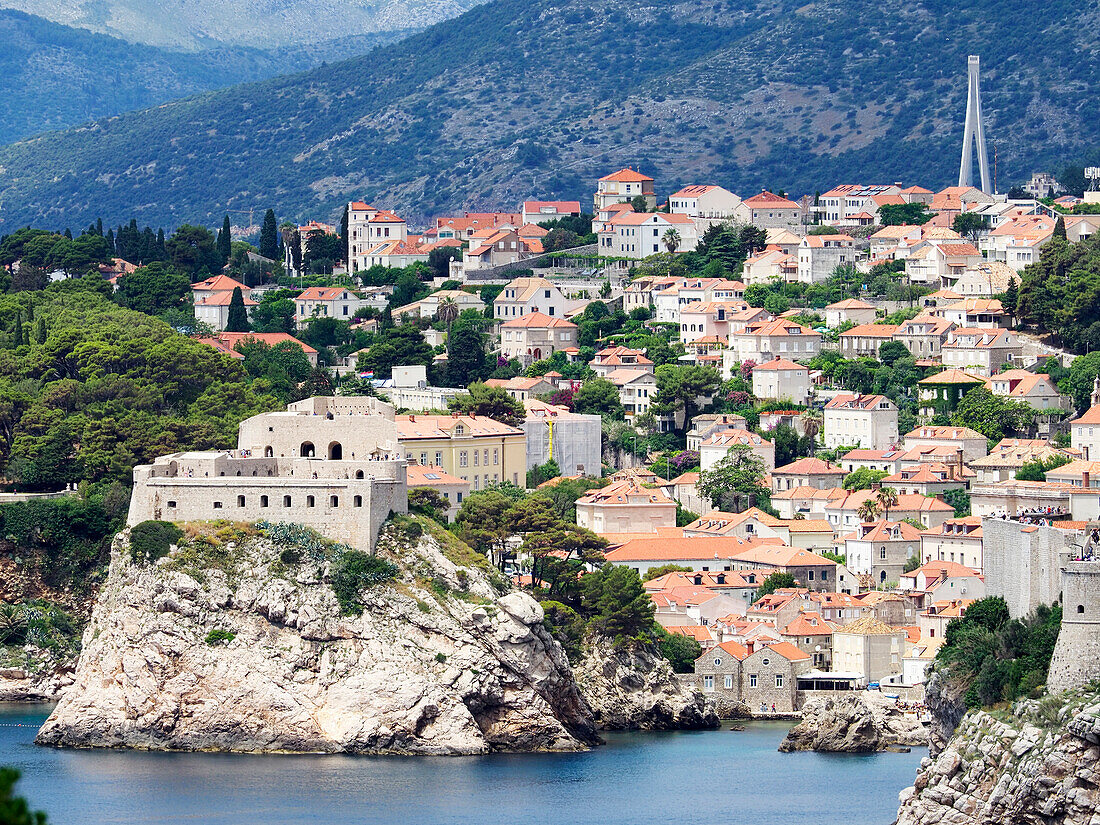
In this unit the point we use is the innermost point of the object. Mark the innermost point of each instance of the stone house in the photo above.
(543, 211)
(769, 211)
(704, 319)
(610, 359)
(716, 446)
(850, 309)
(764, 341)
(525, 295)
(474, 448)
(865, 340)
(762, 677)
(706, 424)
(535, 336)
(957, 540)
(870, 648)
(980, 351)
(880, 550)
(941, 393)
(973, 444)
(813, 635)
(924, 335)
(781, 378)
(819, 255)
(624, 186)
(625, 507)
(807, 472)
(843, 513)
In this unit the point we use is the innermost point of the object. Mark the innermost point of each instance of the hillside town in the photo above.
(812, 428)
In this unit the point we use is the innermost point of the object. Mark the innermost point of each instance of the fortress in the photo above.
(1076, 659)
(333, 464)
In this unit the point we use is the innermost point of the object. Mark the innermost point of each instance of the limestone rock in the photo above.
(436, 663)
(1042, 765)
(857, 723)
(633, 688)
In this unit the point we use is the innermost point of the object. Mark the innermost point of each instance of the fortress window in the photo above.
(306, 450)
(238, 472)
(334, 501)
(357, 501)
(269, 452)
(263, 501)
(217, 505)
(286, 501)
(240, 501)
(309, 501)
(335, 451)
(222, 473)
(171, 505)
(1080, 608)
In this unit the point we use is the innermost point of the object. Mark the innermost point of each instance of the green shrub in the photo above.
(150, 540)
(681, 651)
(441, 657)
(218, 636)
(290, 555)
(355, 570)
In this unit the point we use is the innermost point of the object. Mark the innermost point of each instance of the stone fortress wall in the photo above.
(331, 463)
(1022, 562)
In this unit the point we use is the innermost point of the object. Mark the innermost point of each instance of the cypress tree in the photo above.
(18, 328)
(162, 251)
(344, 234)
(238, 315)
(68, 233)
(269, 236)
(30, 310)
(1012, 297)
(111, 241)
(224, 245)
(1060, 228)
(40, 330)
(99, 227)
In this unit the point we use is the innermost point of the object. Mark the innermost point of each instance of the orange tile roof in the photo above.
(659, 548)
(626, 176)
(767, 200)
(539, 320)
(810, 466)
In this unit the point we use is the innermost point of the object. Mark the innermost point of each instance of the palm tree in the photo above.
(811, 425)
(886, 498)
(447, 312)
(868, 510)
(671, 239)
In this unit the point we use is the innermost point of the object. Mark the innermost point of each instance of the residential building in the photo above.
(972, 443)
(429, 307)
(523, 389)
(927, 479)
(957, 540)
(870, 648)
(1036, 390)
(779, 379)
(626, 507)
(879, 550)
(639, 292)
(924, 335)
(326, 302)
(624, 186)
(228, 343)
(1010, 454)
(980, 351)
(888, 460)
(820, 255)
(807, 472)
(709, 319)
(1085, 429)
(524, 295)
(572, 439)
(764, 341)
(849, 310)
(811, 633)
(211, 299)
(762, 677)
(768, 211)
(451, 488)
(843, 205)
(865, 340)
(805, 502)
(637, 389)
(866, 421)
(939, 580)
(770, 264)
(463, 229)
(612, 358)
(637, 235)
(940, 394)
(715, 447)
(498, 247)
(473, 448)
(397, 254)
(709, 204)
(986, 313)
(706, 424)
(543, 211)
(535, 336)
(843, 513)
(941, 264)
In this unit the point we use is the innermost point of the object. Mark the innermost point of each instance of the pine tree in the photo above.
(224, 245)
(68, 233)
(1060, 228)
(238, 315)
(40, 330)
(1012, 297)
(18, 328)
(269, 236)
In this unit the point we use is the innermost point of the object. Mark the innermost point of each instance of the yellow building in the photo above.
(473, 448)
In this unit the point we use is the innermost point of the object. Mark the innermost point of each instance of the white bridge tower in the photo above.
(974, 131)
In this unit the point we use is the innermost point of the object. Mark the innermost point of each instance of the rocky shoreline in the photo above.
(860, 722)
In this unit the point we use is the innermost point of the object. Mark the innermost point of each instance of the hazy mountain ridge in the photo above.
(53, 76)
(539, 98)
(266, 24)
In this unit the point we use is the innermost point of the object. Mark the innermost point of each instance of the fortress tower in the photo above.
(974, 130)
(1076, 658)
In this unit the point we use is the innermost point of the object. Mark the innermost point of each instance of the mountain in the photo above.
(53, 76)
(540, 97)
(268, 24)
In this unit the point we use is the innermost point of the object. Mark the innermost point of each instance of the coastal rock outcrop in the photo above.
(41, 677)
(236, 641)
(1036, 765)
(856, 723)
(633, 688)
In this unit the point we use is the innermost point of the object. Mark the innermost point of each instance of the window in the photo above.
(475, 458)
(1080, 608)
(728, 684)
(752, 680)
(463, 458)
(485, 457)
(438, 459)
(765, 661)
(217, 505)
(779, 680)
(286, 501)
(263, 501)
(171, 505)
(496, 456)
(882, 553)
(357, 501)
(310, 501)
(708, 683)
(334, 501)
(717, 662)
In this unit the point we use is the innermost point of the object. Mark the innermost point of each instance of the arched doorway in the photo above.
(306, 450)
(335, 451)
(269, 452)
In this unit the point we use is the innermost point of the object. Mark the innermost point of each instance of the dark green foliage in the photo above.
(14, 809)
(1060, 292)
(960, 500)
(656, 572)
(492, 402)
(619, 605)
(217, 636)
(194, 250)
(465, 357)
(225, 240)
(1036, 470)
(863, 478)
(269, 236)
(150, 540)
(904, 213)
(1000, 657)
(153, 289)
(237, 320)
(774, 582)
(352, 572)
(66, 539)
(681, 651)
(428, 502)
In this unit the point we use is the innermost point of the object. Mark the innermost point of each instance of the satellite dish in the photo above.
(817, 648)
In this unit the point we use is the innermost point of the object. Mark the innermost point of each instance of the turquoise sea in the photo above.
(712, 776)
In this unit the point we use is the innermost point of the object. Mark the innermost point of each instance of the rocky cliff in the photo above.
(236, 641)
(856, 723)
(632, 688)
(1036, 764)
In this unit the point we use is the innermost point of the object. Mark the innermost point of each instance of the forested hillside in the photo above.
(53, 76)
(540, 97)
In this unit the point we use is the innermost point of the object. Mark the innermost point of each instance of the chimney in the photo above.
(412, 418)
(1085, 479)
(749, 646)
